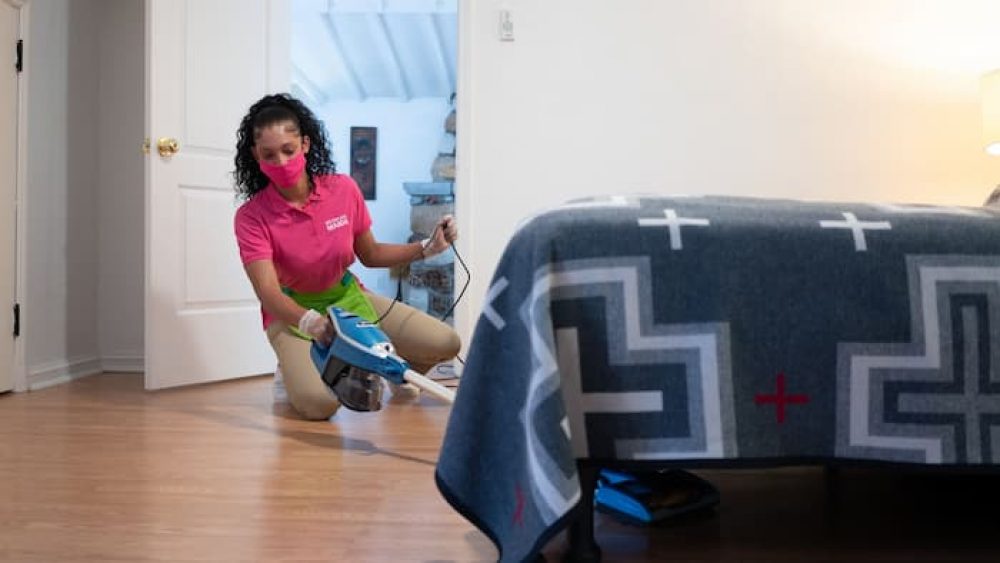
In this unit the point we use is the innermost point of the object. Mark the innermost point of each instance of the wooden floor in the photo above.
(100, 470)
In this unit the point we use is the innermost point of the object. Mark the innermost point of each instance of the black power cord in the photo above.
(468, 278)
(399, 281)
(451, 309)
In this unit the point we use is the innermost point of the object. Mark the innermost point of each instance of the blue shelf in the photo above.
(429, 188)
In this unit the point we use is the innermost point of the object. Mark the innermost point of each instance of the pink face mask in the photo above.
(287, 174)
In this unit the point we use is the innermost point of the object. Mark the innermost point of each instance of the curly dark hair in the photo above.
(267, 111)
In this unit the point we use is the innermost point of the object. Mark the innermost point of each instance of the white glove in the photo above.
(445, 233)
(316, 326)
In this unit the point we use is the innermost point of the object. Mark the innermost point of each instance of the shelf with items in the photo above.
(429, 285)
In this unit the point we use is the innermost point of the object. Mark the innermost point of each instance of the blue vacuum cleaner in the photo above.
(651, 497)
(359, 355)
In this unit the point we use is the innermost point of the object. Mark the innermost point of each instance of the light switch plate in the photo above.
(506, 25)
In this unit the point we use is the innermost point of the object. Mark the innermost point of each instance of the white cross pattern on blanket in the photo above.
(857, 228)
(674, 223)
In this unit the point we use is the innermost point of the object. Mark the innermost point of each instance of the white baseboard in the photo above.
(53, 373)
(123, 363)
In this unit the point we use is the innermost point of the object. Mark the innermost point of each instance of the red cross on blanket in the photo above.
(780, 399)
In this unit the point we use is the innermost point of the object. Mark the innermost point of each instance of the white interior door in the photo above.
(206, 62)
(8, 190)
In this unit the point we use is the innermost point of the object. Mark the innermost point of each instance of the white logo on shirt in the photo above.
(336, 222)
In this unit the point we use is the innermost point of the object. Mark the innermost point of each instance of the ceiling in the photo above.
(364, 49)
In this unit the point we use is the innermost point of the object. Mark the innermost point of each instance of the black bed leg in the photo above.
(582, 546)
(831, 481)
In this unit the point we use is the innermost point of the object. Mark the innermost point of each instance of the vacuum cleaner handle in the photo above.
(430, 386)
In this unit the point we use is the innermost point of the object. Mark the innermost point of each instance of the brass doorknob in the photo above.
(167, 146)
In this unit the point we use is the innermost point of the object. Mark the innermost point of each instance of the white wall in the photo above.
(83, 308)
(409, 134)
(856, 100)
(121, 125)
(60, 308)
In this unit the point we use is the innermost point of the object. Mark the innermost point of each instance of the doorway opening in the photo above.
(382, 77)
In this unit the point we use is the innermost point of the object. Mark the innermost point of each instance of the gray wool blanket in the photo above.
(697, 329)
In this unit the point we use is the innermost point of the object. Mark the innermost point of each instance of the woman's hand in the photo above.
(316, 326)
(445, 233)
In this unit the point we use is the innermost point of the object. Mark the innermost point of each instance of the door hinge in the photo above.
(17, 320)
(19, 65)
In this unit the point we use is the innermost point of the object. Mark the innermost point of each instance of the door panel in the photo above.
(238, 65)
(206, 63)
(213, 253)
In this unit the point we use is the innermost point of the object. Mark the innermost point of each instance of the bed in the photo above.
(720, 332)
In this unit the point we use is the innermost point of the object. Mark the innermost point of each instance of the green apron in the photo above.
(346, 294)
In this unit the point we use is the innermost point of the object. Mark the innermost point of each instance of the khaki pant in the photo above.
(419, 338)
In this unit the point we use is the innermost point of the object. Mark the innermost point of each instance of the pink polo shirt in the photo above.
(311, 247)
